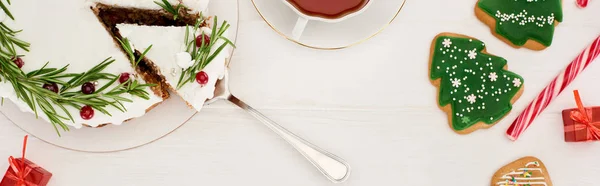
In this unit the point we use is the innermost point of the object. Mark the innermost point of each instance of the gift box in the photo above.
(36, 175)
(22, 172)
(578, 132)
(581, 124)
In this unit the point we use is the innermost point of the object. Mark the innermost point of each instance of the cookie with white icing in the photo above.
(521, 23)
(475, 88)
(525, 171)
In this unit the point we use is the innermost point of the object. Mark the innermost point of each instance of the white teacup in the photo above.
(304, 18)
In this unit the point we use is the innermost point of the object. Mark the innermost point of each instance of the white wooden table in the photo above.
(371, 104)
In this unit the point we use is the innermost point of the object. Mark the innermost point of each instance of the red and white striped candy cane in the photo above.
(559, 83)
(582, 3)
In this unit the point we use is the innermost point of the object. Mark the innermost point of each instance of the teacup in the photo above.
(330, 11)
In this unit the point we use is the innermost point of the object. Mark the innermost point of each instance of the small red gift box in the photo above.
(581, 123)
(22, 172)
(37, 175)
(578, 132)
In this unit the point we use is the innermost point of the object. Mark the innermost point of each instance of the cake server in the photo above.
(333, 167)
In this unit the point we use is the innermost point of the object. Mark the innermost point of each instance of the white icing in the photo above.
(184, 60)
(535, 163)
(168, 41)
(530, 183)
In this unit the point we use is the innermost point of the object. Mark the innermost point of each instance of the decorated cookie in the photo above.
(521, 23)
(475, 89)
(525, 171)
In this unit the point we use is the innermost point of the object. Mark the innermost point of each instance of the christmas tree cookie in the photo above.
(527, 171)
(521, 23)
(475, 89)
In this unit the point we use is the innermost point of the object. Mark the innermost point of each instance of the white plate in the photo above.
(137, 132)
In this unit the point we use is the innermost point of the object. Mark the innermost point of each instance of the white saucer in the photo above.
(330, 36)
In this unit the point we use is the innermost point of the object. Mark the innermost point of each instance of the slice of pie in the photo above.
(175, 47)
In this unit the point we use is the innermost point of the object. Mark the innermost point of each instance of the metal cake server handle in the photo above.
(333, 167)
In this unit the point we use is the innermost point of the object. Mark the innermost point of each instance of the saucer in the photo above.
(326, 35)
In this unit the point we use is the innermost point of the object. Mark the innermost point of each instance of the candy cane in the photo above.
(582, 3)
(553, 89)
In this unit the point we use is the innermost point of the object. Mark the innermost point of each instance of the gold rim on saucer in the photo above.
(329, 48)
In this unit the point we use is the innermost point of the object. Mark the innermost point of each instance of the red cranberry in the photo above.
(86, 112)
(202, 78)
(88, 88)
(124, 77)
(19, 62)
(51, 87)
(201, 37)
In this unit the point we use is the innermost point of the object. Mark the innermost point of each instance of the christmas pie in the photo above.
(99, 62)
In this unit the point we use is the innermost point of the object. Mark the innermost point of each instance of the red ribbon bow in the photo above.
(583, 120)
(19, 170)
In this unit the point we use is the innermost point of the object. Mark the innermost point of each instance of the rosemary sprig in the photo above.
(169, 8)
(204, 54)
(134, 87)
(29, 86)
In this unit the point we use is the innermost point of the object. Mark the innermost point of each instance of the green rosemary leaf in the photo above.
(5, 9)
(187, 35)
(127, 47)
(34, 107)
(164, 6)
(116, 92)
(213, 32)
(142, 56)
(134, 84)
(215, 53)
(54, 123)
(56, 72)
(227, 41)
(180, 83)
(107, 84)
(140, 93)
(101, 109)
(121, 104)
(118, 98)
(169, 8)
(110, 103)
(63, 109)
(36, 72)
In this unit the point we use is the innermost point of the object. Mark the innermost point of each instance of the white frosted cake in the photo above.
(113, 74)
